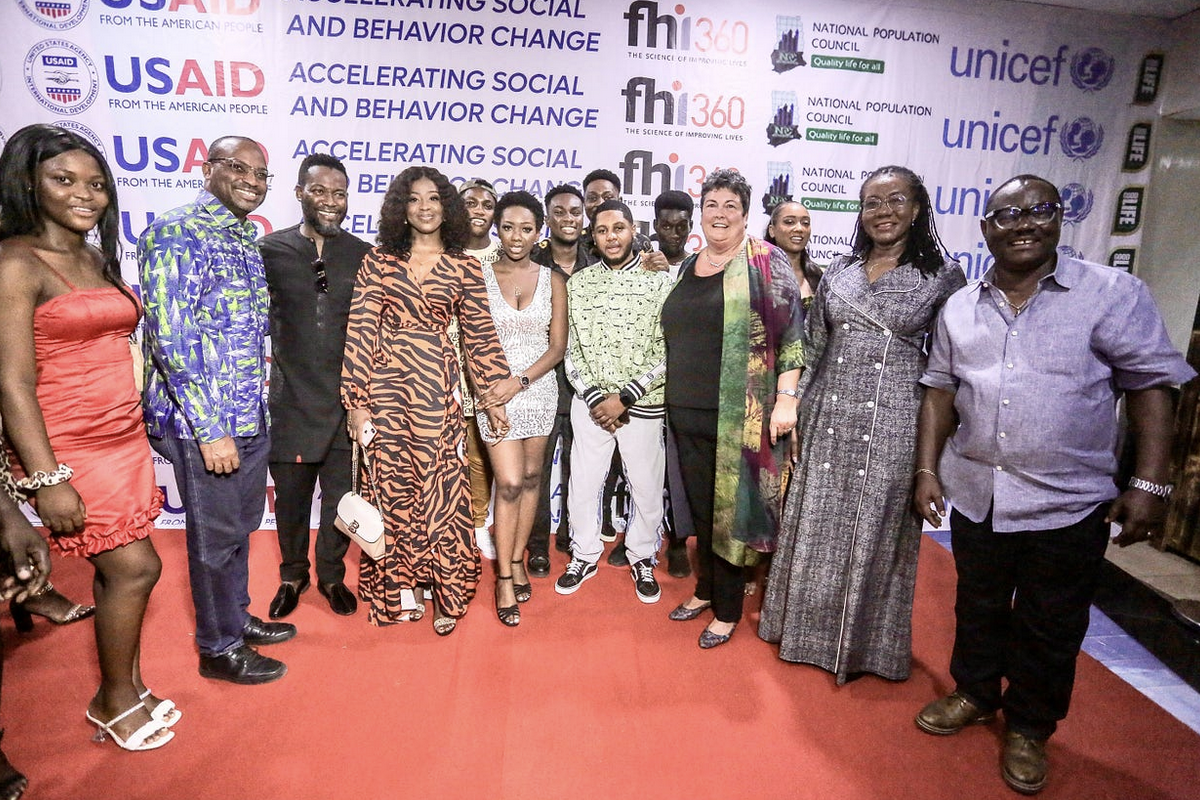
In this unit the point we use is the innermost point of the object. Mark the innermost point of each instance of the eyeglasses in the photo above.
(896, 202)
(1008, 217)
(322, 282)
(244, 170)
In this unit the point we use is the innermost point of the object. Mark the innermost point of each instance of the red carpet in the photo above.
(593, 696)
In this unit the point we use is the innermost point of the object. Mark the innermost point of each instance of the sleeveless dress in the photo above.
(93, 414)
(525, 337)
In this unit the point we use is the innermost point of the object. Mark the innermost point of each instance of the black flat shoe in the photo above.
(243, 665)
(340, 598)
(256, 632)
(287, 598)
(682, 613)
(709, 640)
(509, 615)
(539, 565)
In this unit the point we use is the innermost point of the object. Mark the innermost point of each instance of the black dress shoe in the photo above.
(245, 665)
(678, 565)
(258, 632)
(539, 565)
(340, 599)
(287, 598)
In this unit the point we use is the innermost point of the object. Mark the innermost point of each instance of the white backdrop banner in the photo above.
(532, 93)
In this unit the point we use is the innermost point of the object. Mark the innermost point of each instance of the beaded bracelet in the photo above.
(40, 479)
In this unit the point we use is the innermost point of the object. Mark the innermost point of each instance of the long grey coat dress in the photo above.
(841, 583)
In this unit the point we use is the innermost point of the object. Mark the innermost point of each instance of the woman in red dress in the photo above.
(70, 407)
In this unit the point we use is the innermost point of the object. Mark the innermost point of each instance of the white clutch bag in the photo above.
(358, 518)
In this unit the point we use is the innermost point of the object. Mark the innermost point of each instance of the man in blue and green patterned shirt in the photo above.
(206, 302)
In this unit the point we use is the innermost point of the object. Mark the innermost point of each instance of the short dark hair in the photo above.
(674, 200)
(602, 175)
(924, 248)
(319, 160)
(562, 188)
(395, 234)
(1026, 178)
(729, 179)
(523, 200)
(614, 205)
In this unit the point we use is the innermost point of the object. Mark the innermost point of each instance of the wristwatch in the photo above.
(523, 379)
(1161, 490)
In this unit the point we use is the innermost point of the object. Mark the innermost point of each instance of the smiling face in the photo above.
(1027, 246)
(565, 218)
(891, 218)
(240, 193)
(518, 232)
(614, 236)
(722, 218)
(424, 206)
(791, 229)
(481, 210)
(71, 191)
(672, 225)
(323, 199)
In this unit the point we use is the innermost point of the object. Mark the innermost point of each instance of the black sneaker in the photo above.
(618, 557)
(577, 572)
(643, 581)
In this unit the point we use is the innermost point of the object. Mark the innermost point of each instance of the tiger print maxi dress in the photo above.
(400, 364)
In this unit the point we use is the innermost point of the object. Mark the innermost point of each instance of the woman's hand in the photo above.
(61, 509)
(497, 421)
(27, 559)
(500, 392)
(783, 418)
(356, 420)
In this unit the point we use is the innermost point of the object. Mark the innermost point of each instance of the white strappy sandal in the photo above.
(137, 739)
(165, 712)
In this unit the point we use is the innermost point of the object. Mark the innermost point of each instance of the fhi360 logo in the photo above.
(57, 15)
(648, 28)
(61, 76)
(1091, 69)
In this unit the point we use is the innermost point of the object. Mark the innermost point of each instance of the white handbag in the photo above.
(357, 517)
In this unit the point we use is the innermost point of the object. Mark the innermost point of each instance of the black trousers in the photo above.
(1022, 612)
(539, 537)
(695, 432)
(294, 485)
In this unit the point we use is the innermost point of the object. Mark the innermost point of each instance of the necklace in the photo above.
(1015, 308)
(714, 264)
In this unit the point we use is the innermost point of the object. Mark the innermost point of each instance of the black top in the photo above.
(543, 256)
(693, 323)
(308, 339)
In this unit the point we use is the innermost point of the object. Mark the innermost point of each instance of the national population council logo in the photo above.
(57, 15)
(782, 127)
(61, 76)
(1092, 69)
(780, 180)
(789, 44)
(1081, 138)
(1076, 203)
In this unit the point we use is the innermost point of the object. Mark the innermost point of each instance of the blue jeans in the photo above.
(222, 512)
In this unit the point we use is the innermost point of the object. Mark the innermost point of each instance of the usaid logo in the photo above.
(780, 180)
(782, 127)
(1082, 138)
(84, 131)
(1076, 202)
(61, 76)
(1092, 69)
(789, 44)
(57, 15)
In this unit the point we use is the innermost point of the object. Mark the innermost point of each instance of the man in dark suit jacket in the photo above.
(310, 273)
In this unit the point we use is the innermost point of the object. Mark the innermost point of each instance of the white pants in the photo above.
(644, 459)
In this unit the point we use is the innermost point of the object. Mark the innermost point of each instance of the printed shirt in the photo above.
(615, 339)
(205, 294)
(1036, 393)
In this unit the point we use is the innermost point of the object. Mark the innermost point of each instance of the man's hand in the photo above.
(655, 261)
(608, 412)
(61, 509)
(27, 559)
(1140, 515)
(928, 501)
(221, 456)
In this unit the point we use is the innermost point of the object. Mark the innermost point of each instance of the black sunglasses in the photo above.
(322, 283)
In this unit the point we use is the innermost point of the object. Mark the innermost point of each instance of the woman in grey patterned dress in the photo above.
(841, 584)
(529, 307)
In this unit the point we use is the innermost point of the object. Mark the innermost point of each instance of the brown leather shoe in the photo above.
(950, 715)
(1023, 765)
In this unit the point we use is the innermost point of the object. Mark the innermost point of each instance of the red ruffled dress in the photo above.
(93, 414)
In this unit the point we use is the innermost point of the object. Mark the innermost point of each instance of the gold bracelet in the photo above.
(928, 472)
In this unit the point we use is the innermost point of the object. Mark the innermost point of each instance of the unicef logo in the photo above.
(61, 76)
(84, 131)
(1076, 203)
(57, 15)
(1070, 252)
(1081, 138)
(1092, 69)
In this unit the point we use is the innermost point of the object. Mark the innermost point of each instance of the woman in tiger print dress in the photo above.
(400, 375)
